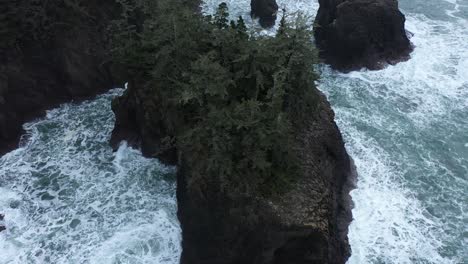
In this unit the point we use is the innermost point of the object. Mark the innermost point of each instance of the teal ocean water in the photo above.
(69, 199)
(406, 127)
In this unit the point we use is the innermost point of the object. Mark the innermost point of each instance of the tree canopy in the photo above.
(230, 101)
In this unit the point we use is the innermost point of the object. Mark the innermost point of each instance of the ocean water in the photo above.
(69, 199)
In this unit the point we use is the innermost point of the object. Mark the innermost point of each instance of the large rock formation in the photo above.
(361, 33)
(265, 10)
(307, 224)
(302, 223)
(50, 53)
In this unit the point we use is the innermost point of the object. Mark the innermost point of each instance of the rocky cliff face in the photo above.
(361, 33)
(307, 224)
(50, 53)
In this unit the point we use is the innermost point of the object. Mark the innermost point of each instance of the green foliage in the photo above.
(221, 18)
(231, 102)
(37, 20)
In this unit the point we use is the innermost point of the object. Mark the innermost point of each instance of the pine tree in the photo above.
(242, 28)
(282, 26)
(222, 16)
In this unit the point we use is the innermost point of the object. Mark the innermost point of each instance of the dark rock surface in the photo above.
(308, 224)
(2, 227)
(68, 61)
(361, 33)
(265, 10)
(130, 125)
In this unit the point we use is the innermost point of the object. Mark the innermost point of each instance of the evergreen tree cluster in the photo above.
(37, 20)
(231, 102)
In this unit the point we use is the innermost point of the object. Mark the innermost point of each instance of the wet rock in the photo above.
(15, 204)
(352, 34)
(74, 223)
(265, 10)
(2, 227)
(131, 126)
(47, 197)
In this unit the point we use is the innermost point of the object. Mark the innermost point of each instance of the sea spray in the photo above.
(68, 198)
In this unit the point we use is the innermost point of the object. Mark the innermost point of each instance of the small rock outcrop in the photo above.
(361, 33)
(2, 227)
(265, 10)
(131, 126)
(51, 52)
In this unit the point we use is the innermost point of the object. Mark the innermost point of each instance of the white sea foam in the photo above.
(155, 242)
(435, 78)
(68, 198)
(409, 202)
(390, 225)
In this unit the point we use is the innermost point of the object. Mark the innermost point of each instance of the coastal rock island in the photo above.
(263, 174)
(352, 34)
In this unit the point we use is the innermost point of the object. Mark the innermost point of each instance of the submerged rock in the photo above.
(2, 228)
(2, 217)
(265, 10)
(361, 33)
(74, 223)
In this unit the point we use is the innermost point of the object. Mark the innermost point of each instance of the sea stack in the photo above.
(263, 176)
(265, 10)
(307, 224)
(352, 34)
